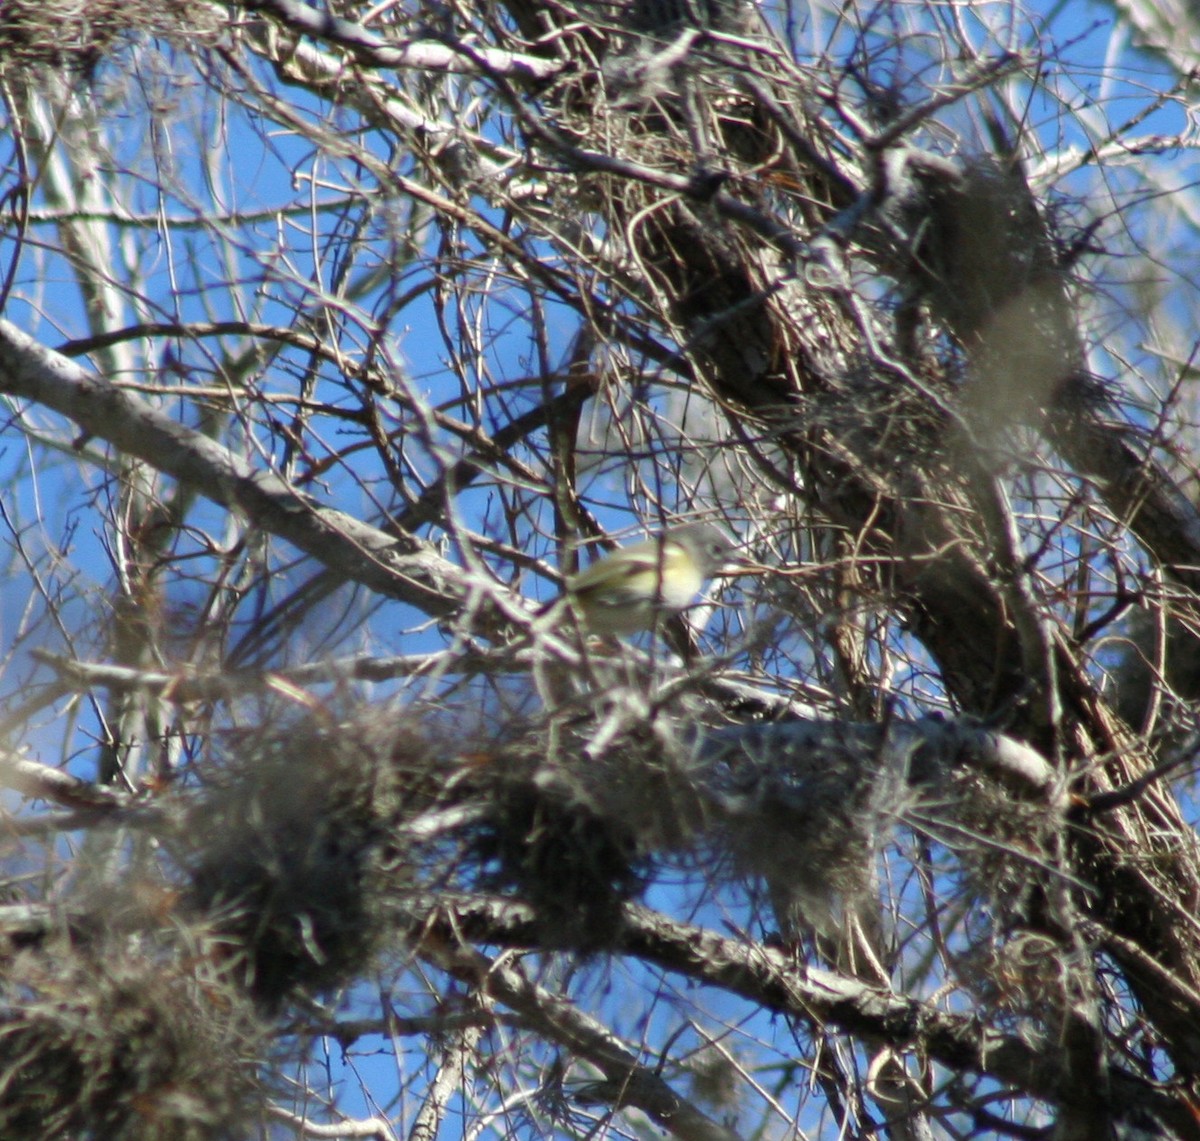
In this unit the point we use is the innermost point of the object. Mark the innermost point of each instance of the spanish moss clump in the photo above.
(798, 806)
(574, 866)
(124, 1043)
(287, 856)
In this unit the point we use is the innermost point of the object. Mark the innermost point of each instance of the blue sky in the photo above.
(276, 198)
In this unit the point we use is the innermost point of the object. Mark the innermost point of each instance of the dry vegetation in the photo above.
(333, 337)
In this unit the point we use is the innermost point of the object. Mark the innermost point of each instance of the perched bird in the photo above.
(628, 590)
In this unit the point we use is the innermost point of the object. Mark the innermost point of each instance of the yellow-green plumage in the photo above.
(630, 589)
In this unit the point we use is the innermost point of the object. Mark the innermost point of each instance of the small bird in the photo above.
(627, 591)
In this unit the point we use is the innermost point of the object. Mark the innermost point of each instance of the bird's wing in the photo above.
(636, 559)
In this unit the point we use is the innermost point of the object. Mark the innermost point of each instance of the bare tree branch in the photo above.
(402, 568)
(426, 55)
